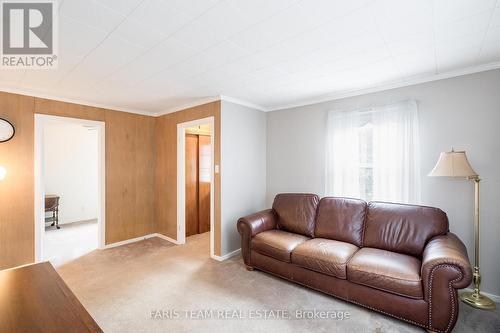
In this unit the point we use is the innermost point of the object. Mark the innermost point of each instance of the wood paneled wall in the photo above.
(17, 234)
(166, 168)
(130, 173)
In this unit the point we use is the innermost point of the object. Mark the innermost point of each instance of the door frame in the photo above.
(181, 179)
(39, 197)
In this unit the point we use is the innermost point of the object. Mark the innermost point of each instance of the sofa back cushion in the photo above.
(341, 219)
(296, 212)
(402, 228)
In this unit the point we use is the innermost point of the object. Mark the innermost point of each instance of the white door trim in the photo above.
(181, 180)
(39, 198)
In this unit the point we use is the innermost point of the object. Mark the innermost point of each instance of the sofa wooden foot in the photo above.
(249, 268)
(430, 331)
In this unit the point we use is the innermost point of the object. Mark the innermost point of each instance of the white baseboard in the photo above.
(495, 298)
(171, 240)
(138, 239)
(227, 256)
(128, 241)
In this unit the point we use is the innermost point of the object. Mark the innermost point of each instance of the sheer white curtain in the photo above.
(393, 149)
(396, 175)
(342, 177)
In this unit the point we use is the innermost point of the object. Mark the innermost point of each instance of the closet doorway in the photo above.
(195, 181)
(198, 161)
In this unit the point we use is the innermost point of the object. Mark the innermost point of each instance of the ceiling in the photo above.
(156, 56)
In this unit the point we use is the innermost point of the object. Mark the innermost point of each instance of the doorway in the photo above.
(69, 188)
(195, 180)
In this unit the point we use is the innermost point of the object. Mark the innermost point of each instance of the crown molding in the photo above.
(388, 86)
(309, 101)
(210, 100)
(33, 93)
(198, 102)
(243, 103)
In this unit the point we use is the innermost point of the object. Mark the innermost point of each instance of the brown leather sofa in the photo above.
(397, 259)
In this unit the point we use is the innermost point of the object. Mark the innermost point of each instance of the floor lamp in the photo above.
(455, 164)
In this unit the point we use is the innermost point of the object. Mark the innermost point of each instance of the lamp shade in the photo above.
(453, 164)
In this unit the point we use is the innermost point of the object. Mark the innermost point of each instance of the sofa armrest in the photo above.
(445, 268)
(257, 222)
(250, 226)
(447, 250)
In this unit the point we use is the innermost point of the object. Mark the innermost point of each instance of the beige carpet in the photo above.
(122, 287)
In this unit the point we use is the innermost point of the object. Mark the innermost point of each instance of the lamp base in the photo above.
(477, 300)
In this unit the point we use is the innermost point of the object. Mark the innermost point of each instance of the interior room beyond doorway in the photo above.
(198, 161)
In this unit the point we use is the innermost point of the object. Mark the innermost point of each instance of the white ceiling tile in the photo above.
(450, 10)
(91, 13)
(325, 10)
(214, 26)
(262, 9)
(48, 78)
(451, 59)
(269, 73)
(212, 58)
(416, 62)
(414, 17)
(123, 6)
(106, 59)
(495, 18)
(455, 45)
(297, 46)
(284, 25)
(157, 59)
(475, 24)
(492, 36)
(352, 26)
(158, 15)
(490, 51)
(268, 52)
(139, 34)
(11, 77)
(324, 66)
(243, 66)
(193, 8)
(411, 44)
(70, 31)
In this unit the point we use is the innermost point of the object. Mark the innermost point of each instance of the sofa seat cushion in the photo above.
(389, 271)
(324, 255)
(278, 244)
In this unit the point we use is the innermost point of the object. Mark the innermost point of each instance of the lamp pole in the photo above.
(475, 298)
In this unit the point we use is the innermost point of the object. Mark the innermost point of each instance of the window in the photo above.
(373, 153)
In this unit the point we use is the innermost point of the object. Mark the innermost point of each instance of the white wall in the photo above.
(71, 169)
(462, 112)
(243, 168)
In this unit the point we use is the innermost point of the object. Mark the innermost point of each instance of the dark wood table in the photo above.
(35, 299)
(52, 206)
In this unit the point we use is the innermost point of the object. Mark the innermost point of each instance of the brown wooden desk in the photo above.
(36, 299)
(52, 206)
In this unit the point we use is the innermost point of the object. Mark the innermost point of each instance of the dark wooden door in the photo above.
(205, 165)
(198, 174)
(191, 170)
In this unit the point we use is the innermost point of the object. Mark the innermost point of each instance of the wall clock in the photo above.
(7, 130)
